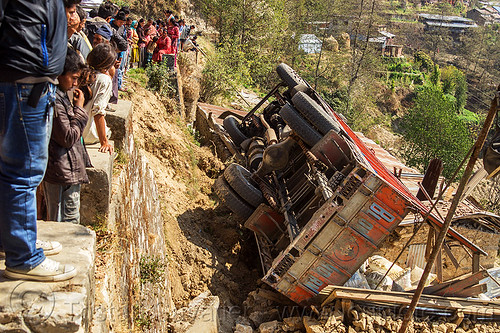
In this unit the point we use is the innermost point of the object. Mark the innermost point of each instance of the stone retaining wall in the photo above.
(135, 219)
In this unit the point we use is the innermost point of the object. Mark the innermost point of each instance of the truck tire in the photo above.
(289, 76)
(231, 199)
(240, 181)
(299, 125)
(314, 113)
(230, 124)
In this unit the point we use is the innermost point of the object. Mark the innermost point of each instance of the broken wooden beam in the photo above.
(466, 306)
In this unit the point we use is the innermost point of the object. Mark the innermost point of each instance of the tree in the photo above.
(455, 84)
(433, 129)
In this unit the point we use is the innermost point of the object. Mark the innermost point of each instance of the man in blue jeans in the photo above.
(33, 43)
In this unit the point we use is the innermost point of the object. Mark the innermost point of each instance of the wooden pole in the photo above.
(456, 199)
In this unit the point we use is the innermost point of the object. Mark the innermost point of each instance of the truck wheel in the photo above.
(314, 113)
(239, 179)
(299, 125)
(289, 76)
(231, 126)
(231, 199)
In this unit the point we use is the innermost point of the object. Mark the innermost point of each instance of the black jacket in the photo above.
(67, 155)
(33, 37)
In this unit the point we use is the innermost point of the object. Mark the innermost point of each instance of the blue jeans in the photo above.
(24, 138)
(63, 202)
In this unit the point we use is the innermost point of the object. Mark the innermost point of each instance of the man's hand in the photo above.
(118, 62)
(78, 98)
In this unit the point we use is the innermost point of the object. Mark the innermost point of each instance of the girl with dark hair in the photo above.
(173, 33)
(101, 62)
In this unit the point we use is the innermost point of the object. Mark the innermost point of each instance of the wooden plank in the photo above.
(470, 307)
(430, 240)
(450, 255)
(472, 291)
(431, 178)
(438, 264)
(462, 284)
(458, 317)
(476, 266)
(346, 310)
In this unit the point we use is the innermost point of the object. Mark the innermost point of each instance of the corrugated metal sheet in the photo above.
(445, 18)
(309, 43)
(217, 111)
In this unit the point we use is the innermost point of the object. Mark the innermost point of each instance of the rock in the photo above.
(450, 327)
(351, 330)
(293, 324)
(239, 328)
(354, 315)
(312, 325)
(378, 320)
(268, 327)
(243, 321)
(331, 321)
(259, 317)
(442, 328)
(201, 314)
(361, 324)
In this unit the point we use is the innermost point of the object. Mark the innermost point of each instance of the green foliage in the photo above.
(454, 83)
(436, 75)
(432, 129)
(161, 79)
(139, 76)
(225, 70)
(152, 269)
(424, 60)
(469, 117)
(142, 319)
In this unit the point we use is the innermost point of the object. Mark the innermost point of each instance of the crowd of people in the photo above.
(57, 79)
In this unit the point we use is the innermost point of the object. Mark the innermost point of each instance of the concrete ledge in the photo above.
(95, 197)
(119, 120)
(53, 307)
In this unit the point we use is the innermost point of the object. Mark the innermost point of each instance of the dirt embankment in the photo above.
(205, 241)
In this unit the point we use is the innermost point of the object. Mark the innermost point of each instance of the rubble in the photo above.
(268, 327)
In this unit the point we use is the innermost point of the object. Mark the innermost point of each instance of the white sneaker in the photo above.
(49, 248)
(47, 270)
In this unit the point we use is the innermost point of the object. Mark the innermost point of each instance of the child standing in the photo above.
(150, 50)
(101, 62)
(67, 155)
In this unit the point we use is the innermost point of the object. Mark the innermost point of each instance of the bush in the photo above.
(225, 70)
(424, 60)
(433, 129)
(161, 79)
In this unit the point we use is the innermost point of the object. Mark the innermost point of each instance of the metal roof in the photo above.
(387, 34)
(451, 25)
(309, 43)
(445, 18)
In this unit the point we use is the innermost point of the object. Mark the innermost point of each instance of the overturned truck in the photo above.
(318, 200)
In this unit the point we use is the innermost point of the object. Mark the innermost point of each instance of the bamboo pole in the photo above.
(456, 199)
